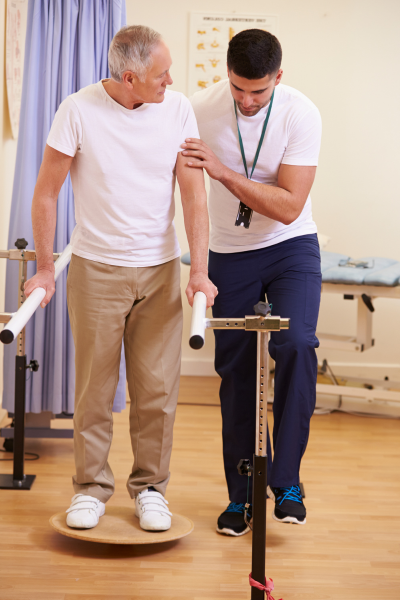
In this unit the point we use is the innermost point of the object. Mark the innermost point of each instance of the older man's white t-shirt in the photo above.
(123, 174)
(293, 137)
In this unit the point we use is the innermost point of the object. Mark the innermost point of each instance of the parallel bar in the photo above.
(16, 325)
(198, 324)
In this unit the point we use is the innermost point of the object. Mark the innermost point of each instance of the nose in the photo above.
(169, 80)
(247, 100)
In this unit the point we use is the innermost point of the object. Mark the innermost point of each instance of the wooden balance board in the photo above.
(120, 526)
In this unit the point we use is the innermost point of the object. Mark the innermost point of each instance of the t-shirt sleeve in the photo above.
(189, 124)
(304, 140)
(66, 131)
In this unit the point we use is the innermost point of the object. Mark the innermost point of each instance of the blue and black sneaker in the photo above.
(232, 520)
(289, 507)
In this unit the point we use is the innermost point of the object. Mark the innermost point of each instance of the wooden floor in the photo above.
(349, 548)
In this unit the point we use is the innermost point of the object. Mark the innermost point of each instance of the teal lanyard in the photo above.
(259, 143)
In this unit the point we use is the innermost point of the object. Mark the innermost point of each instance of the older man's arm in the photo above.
(52, 174)
(194, 203)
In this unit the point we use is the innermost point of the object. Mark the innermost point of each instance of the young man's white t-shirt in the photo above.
(293, 137)
(123, 174)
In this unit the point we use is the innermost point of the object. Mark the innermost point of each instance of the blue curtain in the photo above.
(66, 49)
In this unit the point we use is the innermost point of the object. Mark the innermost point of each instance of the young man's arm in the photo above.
(194, 203)
(282, 203)
(52, 174)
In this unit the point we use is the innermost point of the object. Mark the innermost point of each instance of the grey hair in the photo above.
(130, 50)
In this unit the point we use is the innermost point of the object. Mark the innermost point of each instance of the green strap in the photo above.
(259, 143)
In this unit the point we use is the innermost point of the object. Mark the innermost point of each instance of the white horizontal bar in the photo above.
(32, 303)
(198, 324)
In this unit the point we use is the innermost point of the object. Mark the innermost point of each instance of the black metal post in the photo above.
(18, 480)
(19, 418)
(259, 524)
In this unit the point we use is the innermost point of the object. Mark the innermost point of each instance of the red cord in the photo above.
(268, 587)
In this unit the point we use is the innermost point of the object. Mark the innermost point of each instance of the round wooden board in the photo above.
(120, 526)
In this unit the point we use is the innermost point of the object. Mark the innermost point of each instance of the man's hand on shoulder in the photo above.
(43, 279)
(199, 282)
(208, 161)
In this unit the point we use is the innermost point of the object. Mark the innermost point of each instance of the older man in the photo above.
(120, 139)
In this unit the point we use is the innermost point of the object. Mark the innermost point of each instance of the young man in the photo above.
(259, 144)
(120, 139)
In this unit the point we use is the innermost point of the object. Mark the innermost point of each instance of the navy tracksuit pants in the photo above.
(289, 273)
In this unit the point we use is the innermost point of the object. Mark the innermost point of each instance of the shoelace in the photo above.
(236, 507)
(153, 501)
(82, 502)
(289, 493)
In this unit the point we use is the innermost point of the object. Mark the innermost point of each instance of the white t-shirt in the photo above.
(293, 137)
(123, 174)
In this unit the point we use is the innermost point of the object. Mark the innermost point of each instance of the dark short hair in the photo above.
(254, 53)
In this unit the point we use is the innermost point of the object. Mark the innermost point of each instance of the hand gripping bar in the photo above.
(24, 313)
(198, 325)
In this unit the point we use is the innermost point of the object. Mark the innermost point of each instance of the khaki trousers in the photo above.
(143, 307)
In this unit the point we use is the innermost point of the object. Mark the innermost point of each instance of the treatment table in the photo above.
(362, 280)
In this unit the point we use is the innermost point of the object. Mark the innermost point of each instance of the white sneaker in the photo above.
(85, 512)
(151, 508)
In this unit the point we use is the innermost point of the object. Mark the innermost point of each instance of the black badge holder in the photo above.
(245, 213)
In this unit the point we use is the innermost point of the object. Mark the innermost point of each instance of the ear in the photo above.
(129, 79)
(278, 77)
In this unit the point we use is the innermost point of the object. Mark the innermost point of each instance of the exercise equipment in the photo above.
(15, 329)
(120, 526)
(262, 323)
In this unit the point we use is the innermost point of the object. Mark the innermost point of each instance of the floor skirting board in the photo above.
(200, 368)
(205, 367)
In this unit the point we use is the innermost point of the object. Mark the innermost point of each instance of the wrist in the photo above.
(199, 271)
(46, 268)
(226, 175)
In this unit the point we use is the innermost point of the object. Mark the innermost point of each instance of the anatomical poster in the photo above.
(209, 36)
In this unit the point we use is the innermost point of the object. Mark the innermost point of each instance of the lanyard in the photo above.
(245, 213)
(259, 143)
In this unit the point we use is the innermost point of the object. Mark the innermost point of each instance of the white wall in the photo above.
(344, 55)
